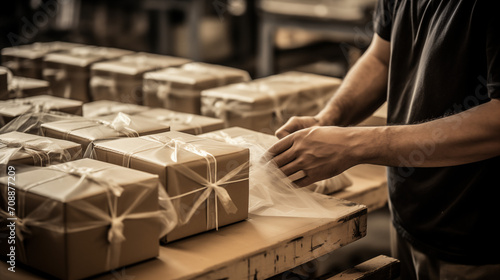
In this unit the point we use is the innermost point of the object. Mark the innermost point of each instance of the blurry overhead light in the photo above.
(237, 7)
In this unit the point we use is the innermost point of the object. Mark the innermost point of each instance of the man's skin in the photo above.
(323, 146)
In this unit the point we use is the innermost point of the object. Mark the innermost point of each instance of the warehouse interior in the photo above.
(262, 37)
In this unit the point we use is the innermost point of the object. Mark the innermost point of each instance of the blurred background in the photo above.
(261, 36)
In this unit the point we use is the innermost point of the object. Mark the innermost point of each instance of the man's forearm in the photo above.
(470, 136)
(361, 93)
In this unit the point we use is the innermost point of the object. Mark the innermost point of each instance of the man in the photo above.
(437, 65)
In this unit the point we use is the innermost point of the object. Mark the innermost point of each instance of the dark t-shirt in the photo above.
(444, 60)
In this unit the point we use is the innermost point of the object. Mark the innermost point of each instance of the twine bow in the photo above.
(210, 184)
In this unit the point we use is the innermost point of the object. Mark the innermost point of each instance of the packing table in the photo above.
(261, 246)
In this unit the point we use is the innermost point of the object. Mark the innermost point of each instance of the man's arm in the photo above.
(363, 90)
(323, 152)
(469, 136)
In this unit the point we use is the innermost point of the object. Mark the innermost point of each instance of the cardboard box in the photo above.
(259, 143)
(182, 122)
(4, 84)
(186, 165)
(179, 89)
(17, 148)
(85, 131)
(109, 107)
(71, 218)
(27, 60)
(13, 108)
(121, 79)
(18, 87)
(266, 104)
(69, 72)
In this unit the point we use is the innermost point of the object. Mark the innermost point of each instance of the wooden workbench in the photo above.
(259, 247)
(369, 186)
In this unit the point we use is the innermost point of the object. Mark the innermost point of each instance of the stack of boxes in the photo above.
(130, 129)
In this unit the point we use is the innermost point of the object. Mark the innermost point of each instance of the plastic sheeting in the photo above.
(271, 192)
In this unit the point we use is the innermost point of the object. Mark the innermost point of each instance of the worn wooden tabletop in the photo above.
(259, 247)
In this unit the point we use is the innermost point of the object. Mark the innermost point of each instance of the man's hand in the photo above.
(320, 152)
(295, 124)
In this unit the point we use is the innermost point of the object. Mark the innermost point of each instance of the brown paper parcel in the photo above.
(69, 72)
(207, 180)
(109, 107)
(121, 79)
(180, 88)
(81, 218)
(12, 108)
(27, 60)
(17, 148)
(267, 103)
(4, 83)
(182, 122)
(85, 131)
(256, 105)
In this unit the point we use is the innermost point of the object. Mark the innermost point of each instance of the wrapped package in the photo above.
(206, 180)
(179, 88)
(109, 107)
(85, 130)
(31, 122)
(82, 218)
(69, 72)
(121, 79)
(182, 122)
(4, 83)
(18, 87)
(18, 148)
(12, 108)
(265, 104)
(27, 60)
(259, 143)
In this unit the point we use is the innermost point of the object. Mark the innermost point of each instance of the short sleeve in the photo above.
(382, 19)
(492, 53)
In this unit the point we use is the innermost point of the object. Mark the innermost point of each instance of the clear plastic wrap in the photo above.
(271, 192)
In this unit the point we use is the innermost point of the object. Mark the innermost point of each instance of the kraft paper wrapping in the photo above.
(27, 60)
(265, 104)
(259, 143)
(13, 108)
(20, 87)
(85, 217)
(4, 83)
(108, 107)
(182, 122)
(179, 88)
(206, 180)
(86, 131)
(17, 148)
(69, 72)
(121, 79)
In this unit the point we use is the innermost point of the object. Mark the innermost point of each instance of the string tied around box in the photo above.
(41, 216)
(210, 183)
(174, 118)
(43, 151)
